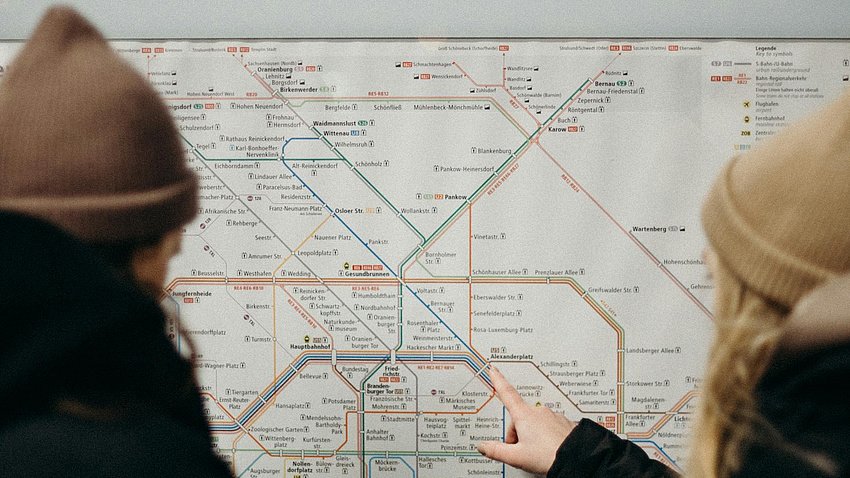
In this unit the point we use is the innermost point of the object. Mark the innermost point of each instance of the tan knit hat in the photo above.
(779, 216)
(85, 141)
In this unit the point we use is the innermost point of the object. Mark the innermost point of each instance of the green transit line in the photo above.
(342, 158)
(509, 277)
(372, 186)
(199, 153)
(501, 167)
(565, 103)
(499, 170)
(426, 269)
(388, 202)
(406, 259)
(451, 217)
(616, 324)
(472, 196)
(322, 137)
(369, 183)
(411, 226)
(513, 155)
(486, 182)
(400, 317)
(392, 206)
(516, 154)
(583, 289)
(493, 176)
(362, 389)
(363, 415)
(193, 147)
(438, 277)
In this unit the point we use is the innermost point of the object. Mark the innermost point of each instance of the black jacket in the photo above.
(802, 397)
(72, 329)
(592, 451)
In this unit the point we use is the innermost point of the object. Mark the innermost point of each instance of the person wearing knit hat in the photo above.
(772, 401)
(776, 223)
(87, 144)
(94, 189)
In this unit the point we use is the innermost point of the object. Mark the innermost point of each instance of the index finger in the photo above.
(505, 391)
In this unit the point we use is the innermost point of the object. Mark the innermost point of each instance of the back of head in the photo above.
(775, 222)
(776, 216)
(88, 146)
(85, 141)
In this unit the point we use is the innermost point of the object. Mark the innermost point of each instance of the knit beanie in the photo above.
(85, 141)
(778, 216)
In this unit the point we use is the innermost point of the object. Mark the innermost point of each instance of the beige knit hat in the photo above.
(779, 216)
(85, 141)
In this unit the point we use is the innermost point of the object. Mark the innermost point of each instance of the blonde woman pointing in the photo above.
(778, 226)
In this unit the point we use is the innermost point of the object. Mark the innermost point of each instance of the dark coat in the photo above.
(72, 329)
(803, 394)
(802, 398)
(591, 451)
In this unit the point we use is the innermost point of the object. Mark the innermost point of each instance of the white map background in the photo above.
(382, 219)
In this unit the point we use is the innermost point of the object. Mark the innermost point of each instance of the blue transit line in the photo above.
(305, 184)
(290, 140)
(249, 466)
(391, 458)
(659, 449)
(325, 357)
(365, 358)
(390, 269)
(503, 437)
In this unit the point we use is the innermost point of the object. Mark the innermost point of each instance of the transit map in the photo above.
(381, 220)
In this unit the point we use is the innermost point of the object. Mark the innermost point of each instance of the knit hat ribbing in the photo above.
(85, 141)
(777, 216)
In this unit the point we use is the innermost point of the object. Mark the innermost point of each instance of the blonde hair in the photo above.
(748, 328)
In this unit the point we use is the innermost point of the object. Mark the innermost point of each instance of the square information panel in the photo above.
(381, 219)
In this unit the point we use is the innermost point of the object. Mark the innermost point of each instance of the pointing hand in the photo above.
(534, 435)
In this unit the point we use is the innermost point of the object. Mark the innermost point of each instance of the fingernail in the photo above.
(482, 448)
